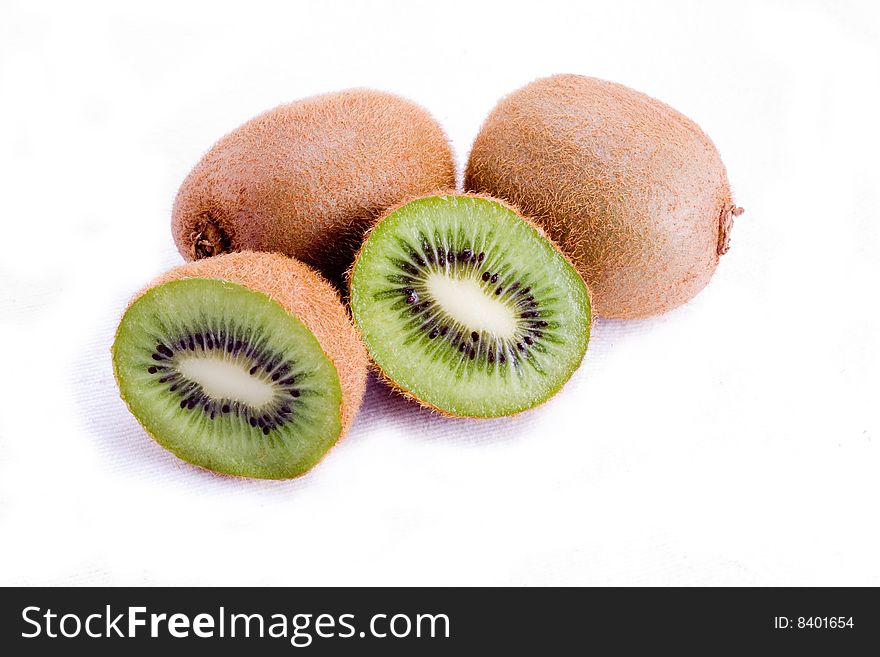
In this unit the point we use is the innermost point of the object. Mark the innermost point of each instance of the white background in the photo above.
(732, 441)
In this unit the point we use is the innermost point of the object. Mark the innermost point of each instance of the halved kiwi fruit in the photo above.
(245, 364)
(467, 307)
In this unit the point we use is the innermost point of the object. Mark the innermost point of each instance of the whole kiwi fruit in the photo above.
(307, 179)
(630, 189)
(245, 363)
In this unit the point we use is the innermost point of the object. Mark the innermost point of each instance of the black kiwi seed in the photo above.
(466, 254)
(494, 278)
(485, 276)
(475, 336)
(498, 291)
(152, 369)
(461, 346)
(481, 257)
(528, 340)
(433, 334)
(444, 330)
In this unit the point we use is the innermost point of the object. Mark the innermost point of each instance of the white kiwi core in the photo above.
(465, 300)
(226, 380)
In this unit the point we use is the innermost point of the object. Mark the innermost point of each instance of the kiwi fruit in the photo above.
(246, 364)
(467, 307)
(630, 189)
(307, 179)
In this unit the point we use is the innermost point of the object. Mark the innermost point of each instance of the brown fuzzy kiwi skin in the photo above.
(308, 178)
(391, 383)
(633, 191)
(302, 292)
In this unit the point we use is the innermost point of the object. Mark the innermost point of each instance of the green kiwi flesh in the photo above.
(224, 377)
(468, 308)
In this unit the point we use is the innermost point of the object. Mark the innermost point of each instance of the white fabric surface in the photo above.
(732, 441)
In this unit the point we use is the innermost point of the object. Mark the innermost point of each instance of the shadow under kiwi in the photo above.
(384, 406)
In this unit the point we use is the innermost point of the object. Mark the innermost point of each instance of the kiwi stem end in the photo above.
(725, 224)
(209, 239)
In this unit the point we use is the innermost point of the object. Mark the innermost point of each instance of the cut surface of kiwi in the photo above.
(468, 308)
(226, 378)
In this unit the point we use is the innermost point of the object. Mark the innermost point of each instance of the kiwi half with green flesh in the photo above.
(467, 307)
(309, 178)
(245, 364)
(631, 190)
